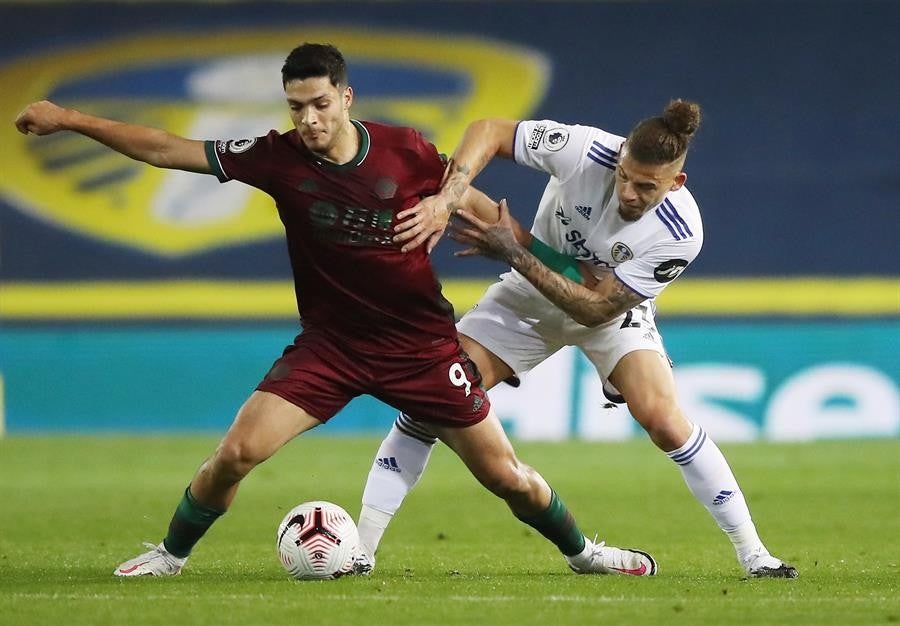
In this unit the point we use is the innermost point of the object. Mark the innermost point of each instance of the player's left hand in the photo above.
(423, 223)
(496, 241)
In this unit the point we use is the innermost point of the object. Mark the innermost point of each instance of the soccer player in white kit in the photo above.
(614, 227)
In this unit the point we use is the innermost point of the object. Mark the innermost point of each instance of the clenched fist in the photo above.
(41, 118)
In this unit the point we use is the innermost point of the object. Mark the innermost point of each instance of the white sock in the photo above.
(397, 467)
(583, 558)
(372, 524)
(712, 482)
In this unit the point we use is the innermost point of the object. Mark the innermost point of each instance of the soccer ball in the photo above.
(317, 540)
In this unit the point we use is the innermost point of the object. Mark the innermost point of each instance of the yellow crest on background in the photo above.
(228, 85)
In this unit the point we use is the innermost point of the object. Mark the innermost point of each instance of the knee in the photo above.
(509, 480)
(663, 421)
(233, 460)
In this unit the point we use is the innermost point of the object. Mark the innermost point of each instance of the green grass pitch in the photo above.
(72, 508)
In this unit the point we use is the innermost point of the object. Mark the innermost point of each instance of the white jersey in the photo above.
(578, 213)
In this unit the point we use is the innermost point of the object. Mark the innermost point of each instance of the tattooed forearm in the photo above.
(461, 169)
(589, 307)
(458, 180)
(619, 297)
(456, 184)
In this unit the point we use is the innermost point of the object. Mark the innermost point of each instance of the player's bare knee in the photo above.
(234, 460)
(511, 481)
(664, 436)
(662, 421)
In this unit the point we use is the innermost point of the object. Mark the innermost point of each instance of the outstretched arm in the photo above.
(595, 302)
(142, 143)
(482, 141)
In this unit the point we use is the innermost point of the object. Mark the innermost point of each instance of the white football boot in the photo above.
(761, 564)
(157, 562)
(599, 558)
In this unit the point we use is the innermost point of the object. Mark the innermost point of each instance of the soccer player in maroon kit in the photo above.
(374, 320)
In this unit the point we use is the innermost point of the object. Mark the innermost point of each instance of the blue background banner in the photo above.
(828, 379)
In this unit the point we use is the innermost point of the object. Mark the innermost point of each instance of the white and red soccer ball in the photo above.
(317, 540)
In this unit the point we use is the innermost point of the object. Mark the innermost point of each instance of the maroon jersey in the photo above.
(350, 279)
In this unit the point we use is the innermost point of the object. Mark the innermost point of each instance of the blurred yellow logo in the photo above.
(228, 85)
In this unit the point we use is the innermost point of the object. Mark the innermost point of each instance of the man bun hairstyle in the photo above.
(662, 140)
(313, 60)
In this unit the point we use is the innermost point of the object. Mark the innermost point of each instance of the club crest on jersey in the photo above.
(556, 139)
(236, 146)
(223, 87)
(620, 252)
(668, 271)
(385, 188)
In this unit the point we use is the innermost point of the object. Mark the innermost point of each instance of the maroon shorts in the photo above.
(321, 375)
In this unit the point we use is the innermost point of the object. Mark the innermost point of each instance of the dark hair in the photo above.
(661, 140)
(314, 60)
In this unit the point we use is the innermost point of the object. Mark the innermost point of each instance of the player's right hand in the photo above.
(422, 223)
(40, 118)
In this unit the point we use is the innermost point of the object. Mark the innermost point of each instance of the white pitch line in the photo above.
(456, 598)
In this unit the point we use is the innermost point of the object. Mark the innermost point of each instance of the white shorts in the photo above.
(523, 328)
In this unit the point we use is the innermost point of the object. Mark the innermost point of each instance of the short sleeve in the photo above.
(558, 149)
(650, 273)
(247, 160)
